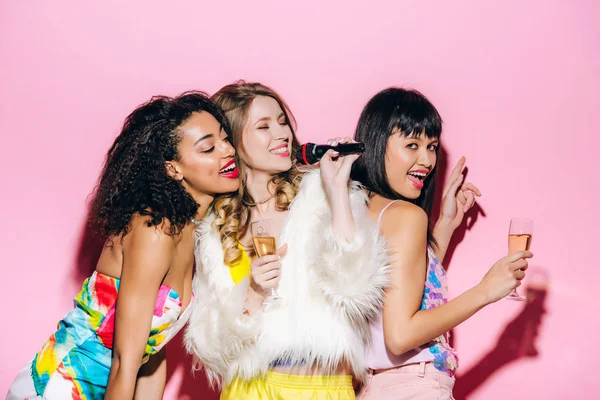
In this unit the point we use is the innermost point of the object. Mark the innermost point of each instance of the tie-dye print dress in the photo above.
(75, 361)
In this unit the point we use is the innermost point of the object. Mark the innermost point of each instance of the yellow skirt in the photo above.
(277, 386)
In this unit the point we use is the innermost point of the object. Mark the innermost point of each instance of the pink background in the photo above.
(516, 82)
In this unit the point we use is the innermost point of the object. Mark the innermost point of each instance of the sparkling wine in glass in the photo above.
(263, 240)
(520, 233)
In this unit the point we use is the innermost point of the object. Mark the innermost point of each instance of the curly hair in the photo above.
(134, 178)
(233, 212)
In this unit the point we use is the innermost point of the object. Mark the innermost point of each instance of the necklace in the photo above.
(265, 200)
(195, 221)
(258, 202)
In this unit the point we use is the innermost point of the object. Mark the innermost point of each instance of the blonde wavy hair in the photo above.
(233, 211)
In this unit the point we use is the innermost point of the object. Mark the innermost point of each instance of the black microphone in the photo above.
(310, 153)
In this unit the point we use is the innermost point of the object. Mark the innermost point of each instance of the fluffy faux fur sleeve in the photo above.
(218, 332)
(353, 275)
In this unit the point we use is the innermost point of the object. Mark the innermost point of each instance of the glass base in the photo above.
(273, 298)
(515, 296)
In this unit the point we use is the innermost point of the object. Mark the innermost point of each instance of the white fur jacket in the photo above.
(330, 289)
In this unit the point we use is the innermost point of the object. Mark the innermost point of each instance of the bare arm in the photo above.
(457, 199)
(342, 222)
(335, 172)
(148, 253)
(442, 232)
(405, 325)
(152, 377)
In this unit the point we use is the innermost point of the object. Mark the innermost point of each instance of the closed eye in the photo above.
(225, 137)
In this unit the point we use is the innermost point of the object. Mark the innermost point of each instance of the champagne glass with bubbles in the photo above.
(263, 240)
(520, 233)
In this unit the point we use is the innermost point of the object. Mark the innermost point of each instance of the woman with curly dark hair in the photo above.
(160, 177)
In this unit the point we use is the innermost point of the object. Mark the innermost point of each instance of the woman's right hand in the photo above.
(266, 272)
(504, 276)
(335, 169)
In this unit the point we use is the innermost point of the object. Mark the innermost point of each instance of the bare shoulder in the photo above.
(404, 225)
(142, 233)
(148, 250)
(403, 215)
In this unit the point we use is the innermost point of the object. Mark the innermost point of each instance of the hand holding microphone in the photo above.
(335, 163)
(335, 172)
(310, 153)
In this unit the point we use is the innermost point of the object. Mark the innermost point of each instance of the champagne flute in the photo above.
(520, 233)
(263, 240)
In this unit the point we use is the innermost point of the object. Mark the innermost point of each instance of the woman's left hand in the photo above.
(335, 169)
(458, 197)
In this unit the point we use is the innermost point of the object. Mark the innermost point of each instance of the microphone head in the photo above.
(360, 147)
(305, 154)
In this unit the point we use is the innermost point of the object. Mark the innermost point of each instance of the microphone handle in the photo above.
(310, 153)
(342, 148)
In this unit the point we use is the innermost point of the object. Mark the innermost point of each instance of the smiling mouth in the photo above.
(279, 150)
(419, 175)
(229, 167)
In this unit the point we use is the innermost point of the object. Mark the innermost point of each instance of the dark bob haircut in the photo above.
(394, 110)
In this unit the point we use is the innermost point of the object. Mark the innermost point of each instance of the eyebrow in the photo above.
(262, 119)
(203, 138)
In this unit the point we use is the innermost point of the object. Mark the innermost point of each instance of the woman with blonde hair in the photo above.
(295, 323)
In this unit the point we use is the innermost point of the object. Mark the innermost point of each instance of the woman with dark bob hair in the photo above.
(410, 356)
(160, 177)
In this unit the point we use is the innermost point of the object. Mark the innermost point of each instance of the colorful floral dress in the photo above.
(434, 295)
(75, 361)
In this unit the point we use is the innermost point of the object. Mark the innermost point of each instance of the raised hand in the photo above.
(458, 197)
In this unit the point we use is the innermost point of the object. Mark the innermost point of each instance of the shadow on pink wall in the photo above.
(516, 342)
(518, 339)
(193, 386)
